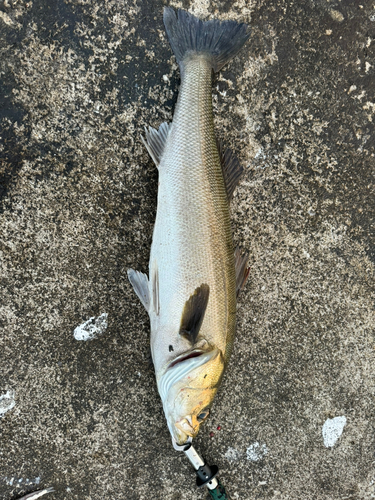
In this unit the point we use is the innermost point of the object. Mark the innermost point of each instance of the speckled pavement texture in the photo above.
(80, 80)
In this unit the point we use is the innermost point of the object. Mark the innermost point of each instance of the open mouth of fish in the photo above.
(185, 356)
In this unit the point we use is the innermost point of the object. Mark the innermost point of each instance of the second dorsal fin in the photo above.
(193, 313)
(232, 169)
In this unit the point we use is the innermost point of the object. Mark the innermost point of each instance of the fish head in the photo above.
(188, 388)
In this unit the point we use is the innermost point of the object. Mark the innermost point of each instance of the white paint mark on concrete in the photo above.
(232, 454)
(92, 328)
(7, 402)
(256, 452)
(332, 430)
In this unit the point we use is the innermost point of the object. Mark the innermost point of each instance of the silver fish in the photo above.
(194, 273)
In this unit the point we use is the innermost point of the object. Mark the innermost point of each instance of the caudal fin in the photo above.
(187, 34)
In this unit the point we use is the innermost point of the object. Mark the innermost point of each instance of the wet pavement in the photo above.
(79, 408)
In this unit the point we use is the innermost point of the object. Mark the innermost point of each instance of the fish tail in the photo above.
(188, 35)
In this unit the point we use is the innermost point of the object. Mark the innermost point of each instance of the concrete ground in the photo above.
(80, 80)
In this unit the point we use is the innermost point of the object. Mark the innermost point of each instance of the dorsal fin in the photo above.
(242, 269)
(232, 169)
(139, 282)
(155, 141)
(193, 313)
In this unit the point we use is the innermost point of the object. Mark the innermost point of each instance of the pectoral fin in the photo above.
(242, 269)
(193, 313)
(155, 141)
(139, 282)
(232, 169)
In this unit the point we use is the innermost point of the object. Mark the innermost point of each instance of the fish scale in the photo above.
(192, 204)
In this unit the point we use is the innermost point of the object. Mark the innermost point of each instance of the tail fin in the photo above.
(187, 34)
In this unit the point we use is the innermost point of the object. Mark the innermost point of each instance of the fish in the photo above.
(195, 274)
(37, 494)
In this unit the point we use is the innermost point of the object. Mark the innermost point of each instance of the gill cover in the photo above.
(187, 390)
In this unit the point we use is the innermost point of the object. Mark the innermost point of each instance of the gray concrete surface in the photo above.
(80, 80)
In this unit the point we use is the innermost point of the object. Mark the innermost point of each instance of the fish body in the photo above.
(191, 291)
(192, 240)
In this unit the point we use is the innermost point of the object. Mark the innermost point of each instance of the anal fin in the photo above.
(242, 269)
(232, 169)
(155, 141)
(139, 282)
(193, 313)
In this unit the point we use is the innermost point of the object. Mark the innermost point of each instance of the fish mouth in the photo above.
(184, 357)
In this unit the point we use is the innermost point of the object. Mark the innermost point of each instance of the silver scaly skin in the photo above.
(192, 240)
(192, 247)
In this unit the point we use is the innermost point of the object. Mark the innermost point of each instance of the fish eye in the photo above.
(203, 415)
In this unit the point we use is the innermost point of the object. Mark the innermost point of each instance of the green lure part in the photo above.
(219, 493)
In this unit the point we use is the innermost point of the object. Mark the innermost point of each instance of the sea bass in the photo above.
(194, 273)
